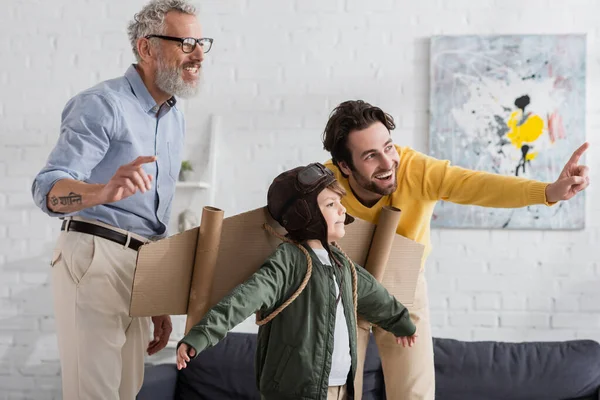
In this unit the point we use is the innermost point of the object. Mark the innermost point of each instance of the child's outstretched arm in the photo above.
(261, 291)
(379, 307)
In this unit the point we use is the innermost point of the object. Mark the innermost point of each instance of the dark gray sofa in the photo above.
(464, 370)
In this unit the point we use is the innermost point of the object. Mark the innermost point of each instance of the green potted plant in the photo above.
(186, 170)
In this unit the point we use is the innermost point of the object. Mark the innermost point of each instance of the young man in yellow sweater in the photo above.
(375, 172)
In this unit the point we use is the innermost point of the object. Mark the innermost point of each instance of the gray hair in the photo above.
(151, 19)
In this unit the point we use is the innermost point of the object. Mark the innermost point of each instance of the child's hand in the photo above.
(183, 355)
(407, 340)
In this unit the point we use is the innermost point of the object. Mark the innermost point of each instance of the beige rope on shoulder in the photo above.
(279, 309)
(293, 297)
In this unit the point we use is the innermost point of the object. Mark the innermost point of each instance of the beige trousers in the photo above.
(101, 348)
(336, 393)
(409, 373)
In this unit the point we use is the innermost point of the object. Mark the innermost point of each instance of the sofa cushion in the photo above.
(533, 370)
(373, 386)
(225, 371)
(159, 382)
(464, 370)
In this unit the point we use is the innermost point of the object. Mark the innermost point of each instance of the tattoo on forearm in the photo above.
(68, 200)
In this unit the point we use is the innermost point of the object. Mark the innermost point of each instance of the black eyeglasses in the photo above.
(188, 44)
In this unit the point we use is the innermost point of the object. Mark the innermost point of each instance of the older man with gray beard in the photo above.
(111, 179)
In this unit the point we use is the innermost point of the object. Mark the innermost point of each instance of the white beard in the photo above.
(169, 80)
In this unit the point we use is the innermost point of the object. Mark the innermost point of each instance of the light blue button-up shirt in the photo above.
(110, 125)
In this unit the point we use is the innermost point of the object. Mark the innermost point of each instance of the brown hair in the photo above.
(337, 188)
(350, 116)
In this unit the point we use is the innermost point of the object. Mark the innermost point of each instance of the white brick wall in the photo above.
(276, 71)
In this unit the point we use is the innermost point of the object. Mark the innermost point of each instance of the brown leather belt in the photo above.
(100, 231)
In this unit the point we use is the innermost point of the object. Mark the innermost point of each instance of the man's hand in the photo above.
(162, 331)
(572, 180)
(128, 179)
(69, 195)
(407, 340)
(184, 352)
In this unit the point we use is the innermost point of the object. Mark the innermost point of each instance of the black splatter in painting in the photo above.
(502, 129)
(522, 102)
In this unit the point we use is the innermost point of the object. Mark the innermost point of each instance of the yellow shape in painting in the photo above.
(531, 156)
(528, 132)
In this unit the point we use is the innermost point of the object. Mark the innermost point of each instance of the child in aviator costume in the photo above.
(311, 293)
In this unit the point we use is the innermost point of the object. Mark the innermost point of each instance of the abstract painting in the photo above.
(511, 105)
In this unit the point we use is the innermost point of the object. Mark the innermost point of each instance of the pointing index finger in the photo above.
(579, 152)
(143, 160)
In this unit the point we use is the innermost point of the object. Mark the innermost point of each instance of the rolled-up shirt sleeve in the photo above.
(88, 123)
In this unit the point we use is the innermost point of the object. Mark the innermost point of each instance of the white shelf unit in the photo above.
(193, 185)
(215, 125)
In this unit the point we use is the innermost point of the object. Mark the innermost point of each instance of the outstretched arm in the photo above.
(261, 291)
(442, 181)
(379, 307)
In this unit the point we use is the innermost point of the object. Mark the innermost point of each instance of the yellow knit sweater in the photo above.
(423, 180)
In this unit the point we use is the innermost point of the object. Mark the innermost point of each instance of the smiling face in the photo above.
(375, 161)
(334, 213)
(178, 73)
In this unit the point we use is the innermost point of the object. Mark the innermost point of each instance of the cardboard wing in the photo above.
(190, 272)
